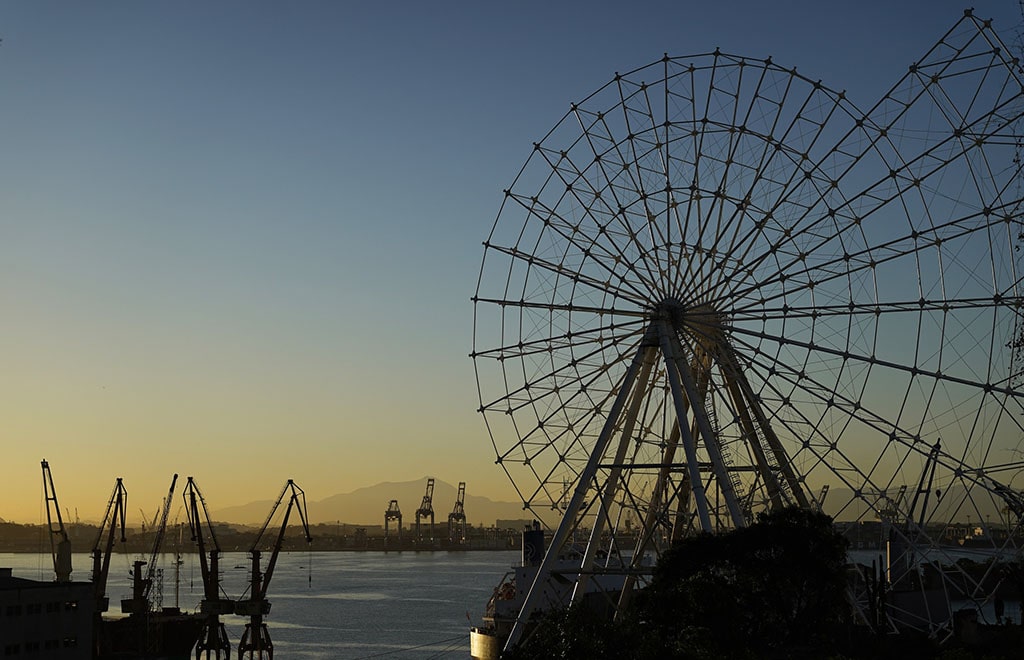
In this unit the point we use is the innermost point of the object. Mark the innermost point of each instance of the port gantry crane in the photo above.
(457, 518)
(213, 638)
(255, 643)
(140, 603)
(426, 509)
(60, 544)
(102, 549)
(393, 513)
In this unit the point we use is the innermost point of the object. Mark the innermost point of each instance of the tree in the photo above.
(778, 585)
(776, 588)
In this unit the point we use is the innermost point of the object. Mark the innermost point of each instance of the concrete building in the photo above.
(45, 620)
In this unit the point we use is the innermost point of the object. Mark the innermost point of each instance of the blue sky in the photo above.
(239, 239)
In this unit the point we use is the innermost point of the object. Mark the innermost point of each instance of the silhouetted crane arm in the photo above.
(60, 549)
(197, 514)
(255, 641)
(158, 541)
(101, 550)
(297, 500)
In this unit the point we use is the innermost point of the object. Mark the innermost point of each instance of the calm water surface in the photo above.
(334, 605)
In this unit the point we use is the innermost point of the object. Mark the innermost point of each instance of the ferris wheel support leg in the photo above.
(711, 444)
(650, 520)
(568, 521)
(753, 441)
(611, 483)
(689, 446)
(785, 466)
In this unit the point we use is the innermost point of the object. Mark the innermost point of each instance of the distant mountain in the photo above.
(366, 506)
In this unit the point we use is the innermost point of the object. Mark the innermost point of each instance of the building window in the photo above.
(13, 610)
(70, 641)
(12, 649)
(71, 606)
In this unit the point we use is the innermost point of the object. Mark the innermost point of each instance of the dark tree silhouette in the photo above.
(774, 589)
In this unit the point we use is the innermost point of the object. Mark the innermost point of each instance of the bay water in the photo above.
(331, 605)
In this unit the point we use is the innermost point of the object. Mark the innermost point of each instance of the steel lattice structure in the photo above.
(717, 286)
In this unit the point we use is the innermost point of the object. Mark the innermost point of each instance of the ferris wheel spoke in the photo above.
(764, 169)
(579, 181)
(852, 309)
(826, 447)
(911, 175)
(572, 275)
(526, 394)
(600, 256)
(557, 343)
(908, 439)
(616, 215)
(868, 259)
(874, 361)
(633, 164)
(556, 307)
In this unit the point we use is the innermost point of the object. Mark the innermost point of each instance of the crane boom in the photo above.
(60, 544)
(142, 587)
(213, 639)
(158, 541)
(255, 642)
(457, 518)
(426, 510)
(101, 550)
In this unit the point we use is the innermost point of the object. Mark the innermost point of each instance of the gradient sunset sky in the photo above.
(239, 238)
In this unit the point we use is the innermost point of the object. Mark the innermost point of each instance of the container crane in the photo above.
(457, 518)
(213, 639)
(142, 587)
(426, 509)
(393, 513)
(60, 544)
(255, 642)
(101, 550)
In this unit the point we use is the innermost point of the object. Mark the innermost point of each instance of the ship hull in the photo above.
(166, 635)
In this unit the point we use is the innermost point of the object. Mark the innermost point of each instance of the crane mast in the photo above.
(213, 639)
(60, 544)
(142, 587)
(255, 642)
(457, 518)
(426, 510)
(101, 550)
(393, 512)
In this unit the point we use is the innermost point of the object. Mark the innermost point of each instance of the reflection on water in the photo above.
(336, 605)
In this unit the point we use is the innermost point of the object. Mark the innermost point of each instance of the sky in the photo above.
(239, 239)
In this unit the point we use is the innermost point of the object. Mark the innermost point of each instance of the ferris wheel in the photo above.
(718, 287)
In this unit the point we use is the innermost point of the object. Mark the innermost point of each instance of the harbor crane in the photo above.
(255, 643)
(213, 639)
(60, 544)
(142, 587)
(393, 513)
(457, 518)
(426, 509)
(102, 549)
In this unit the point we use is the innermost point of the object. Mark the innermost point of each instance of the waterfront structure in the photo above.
(45, 620)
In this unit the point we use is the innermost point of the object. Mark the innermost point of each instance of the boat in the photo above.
(165, 634)
(146, 633)
(507, 601)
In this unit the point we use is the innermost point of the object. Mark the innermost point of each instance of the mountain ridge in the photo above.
(366, 506)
